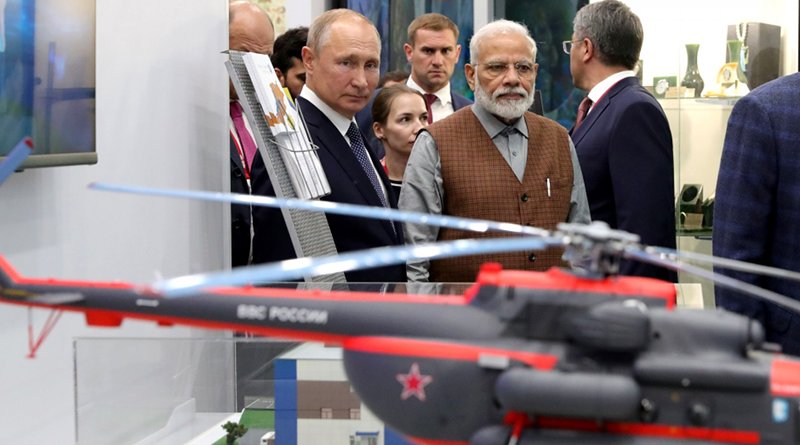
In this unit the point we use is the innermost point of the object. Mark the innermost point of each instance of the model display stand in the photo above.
(311, 236)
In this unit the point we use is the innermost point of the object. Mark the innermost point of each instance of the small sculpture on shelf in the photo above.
(731, 78)
(689, 206)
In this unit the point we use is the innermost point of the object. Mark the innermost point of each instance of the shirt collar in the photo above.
(494, 126)
(342, 123)
(601, 88)
(443, 94)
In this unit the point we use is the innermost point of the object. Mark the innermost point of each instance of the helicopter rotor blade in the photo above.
(363, 259)
(588, 246)
(643, 255)
(725, 263)
(384, 213)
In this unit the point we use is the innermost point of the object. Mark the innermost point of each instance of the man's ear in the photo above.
(308, 59)
(458, 51)
(587, 50)
(409, 50)
(281, 77)
(469, 73)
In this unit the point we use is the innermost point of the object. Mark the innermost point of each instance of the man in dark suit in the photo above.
(757, 204)
(622, 136)
(250, 29)
(432, 51)
(342, 61)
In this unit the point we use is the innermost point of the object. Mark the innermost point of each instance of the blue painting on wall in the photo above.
(550, 23)
(392, 18)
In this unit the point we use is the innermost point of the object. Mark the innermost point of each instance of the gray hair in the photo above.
(614, 29)
(319, 32)
(498, 27)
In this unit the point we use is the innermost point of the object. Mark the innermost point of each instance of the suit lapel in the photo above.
(459, 102)
(333, 144)
(600, 107)
(328, 138)
(235, 158)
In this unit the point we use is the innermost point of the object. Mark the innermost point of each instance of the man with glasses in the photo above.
(494, 160)
(621, 134)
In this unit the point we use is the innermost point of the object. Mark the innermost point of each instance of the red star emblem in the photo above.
(413, 383)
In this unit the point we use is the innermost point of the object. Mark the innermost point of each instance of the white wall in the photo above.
(161, 121)
(668, 28)
(699, 127)
(303, 12)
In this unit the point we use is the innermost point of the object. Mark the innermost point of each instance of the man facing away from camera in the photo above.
(622, 136)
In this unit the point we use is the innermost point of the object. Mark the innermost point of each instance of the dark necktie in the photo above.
(360, 151)
(429, 100)
(583, 110)
(248, 145)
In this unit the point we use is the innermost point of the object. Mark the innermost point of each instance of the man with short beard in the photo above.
(494, 160)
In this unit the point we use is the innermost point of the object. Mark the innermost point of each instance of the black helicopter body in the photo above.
(536, 358)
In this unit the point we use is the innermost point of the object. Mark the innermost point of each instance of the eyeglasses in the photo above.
(567, 45)
(495, 69)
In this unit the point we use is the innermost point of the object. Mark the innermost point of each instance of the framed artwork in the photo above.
(47, 80)
(277, 12)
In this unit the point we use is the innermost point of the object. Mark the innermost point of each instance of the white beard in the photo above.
(507, 109)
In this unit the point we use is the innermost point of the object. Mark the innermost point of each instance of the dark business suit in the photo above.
(349, 184)
(625, 150)
(364, 120)
(757, 204)
(240, 214)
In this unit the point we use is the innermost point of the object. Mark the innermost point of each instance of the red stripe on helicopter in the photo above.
(492, 274)
(293, 334)
(20, 280)
(420, 441)
(245, 291)
(112, 318)
(725, 436)
(444, 350)
(785, 378)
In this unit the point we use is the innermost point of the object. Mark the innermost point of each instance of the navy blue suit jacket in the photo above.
(364, 120)
(624, 147)
(349, 184)
(757, 205)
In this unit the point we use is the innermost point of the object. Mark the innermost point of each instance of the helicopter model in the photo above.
(521, 357)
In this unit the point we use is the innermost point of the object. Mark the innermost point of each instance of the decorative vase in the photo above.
(692, 77)
(735, 56)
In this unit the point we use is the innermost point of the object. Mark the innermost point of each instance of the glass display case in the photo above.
(168, 390)
(182, 390)
(692, 45)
